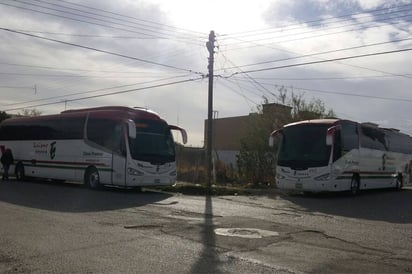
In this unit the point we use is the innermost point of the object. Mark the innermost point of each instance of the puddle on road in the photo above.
(249, 233)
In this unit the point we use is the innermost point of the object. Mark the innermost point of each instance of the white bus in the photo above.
(113, 146)
(341, 155)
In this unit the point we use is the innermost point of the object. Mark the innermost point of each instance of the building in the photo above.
(228, 132)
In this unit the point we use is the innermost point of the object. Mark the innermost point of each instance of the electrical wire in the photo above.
(137, 19)
(317, 22)
(101, 22)
(92, 91)
(107, 94)
(324, 52)
(356, 95)
(250, 78)
(322, 61)
(325, 78)
(101, 51)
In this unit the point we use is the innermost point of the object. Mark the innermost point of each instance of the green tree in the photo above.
(256, 160)
(3, 116)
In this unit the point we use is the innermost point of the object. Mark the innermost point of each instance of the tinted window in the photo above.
(398, 142)
(304, 146)
(106, 133)
(55, 128)
(373, 138)
(154, 142)
(350, 136)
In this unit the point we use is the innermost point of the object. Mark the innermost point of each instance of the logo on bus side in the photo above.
(40, 148)
(52, 150)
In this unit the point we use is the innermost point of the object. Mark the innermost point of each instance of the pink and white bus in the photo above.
(112, 146)
(328, 155)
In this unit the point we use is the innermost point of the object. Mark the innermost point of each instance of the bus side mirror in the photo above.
(184, 136)
(330, 133)
(132, 129)
(272, 137)
(182, 131)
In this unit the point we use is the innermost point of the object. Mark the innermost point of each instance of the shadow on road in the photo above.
(208, 260)
(72, 197)
(381, 205)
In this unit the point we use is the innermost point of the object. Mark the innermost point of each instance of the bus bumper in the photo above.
(152, 181)
(309, 185)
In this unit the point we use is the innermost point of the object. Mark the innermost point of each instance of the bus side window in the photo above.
(350, 137)
(106, 133)
(373, 138)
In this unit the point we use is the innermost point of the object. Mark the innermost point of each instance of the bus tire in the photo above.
(399, 182)
(91, 178)
(354, 186)
(19, 172)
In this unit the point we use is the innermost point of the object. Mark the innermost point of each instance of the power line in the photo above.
(322, 61)
(357, 95)
(80, 20)
(107, 94)
(326, 78)
(243, 87)
(71, 75)
(254, 44)
(324, 52)
(102, 51)
(284, 29)
(92, 91)
(134, 18)
(16, 87)
(312, 22)
(250, 78)
(347, 94)
(338, 50)
(158, 34)
(247, 99)
(91, 35)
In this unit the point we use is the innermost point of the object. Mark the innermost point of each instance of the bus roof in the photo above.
(117, 112)
(331, 122)
(314, 121)
(137, 111)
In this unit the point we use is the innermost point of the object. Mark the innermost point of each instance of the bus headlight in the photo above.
(323, 177)
(134, 172)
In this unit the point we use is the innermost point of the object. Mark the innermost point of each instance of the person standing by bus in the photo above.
(6, 161)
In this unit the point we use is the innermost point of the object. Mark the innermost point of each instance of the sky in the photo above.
(354, 55)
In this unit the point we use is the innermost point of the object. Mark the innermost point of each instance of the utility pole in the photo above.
(210, 47)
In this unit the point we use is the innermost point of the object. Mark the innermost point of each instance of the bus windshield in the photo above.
(153, 143)
(304, 146)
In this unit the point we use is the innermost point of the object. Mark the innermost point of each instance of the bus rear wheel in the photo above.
(92, 179)
(354, 186)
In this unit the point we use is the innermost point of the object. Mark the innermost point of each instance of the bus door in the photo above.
(118, 169)
(119, 157)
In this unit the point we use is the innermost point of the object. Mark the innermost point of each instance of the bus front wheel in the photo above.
(92, 179)
(354, 186)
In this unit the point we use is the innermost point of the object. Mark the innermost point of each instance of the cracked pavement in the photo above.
(67, 228)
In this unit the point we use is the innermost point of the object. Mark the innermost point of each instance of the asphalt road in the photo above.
(63, 228)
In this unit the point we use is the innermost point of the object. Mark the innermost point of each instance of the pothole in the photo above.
(249, 233)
